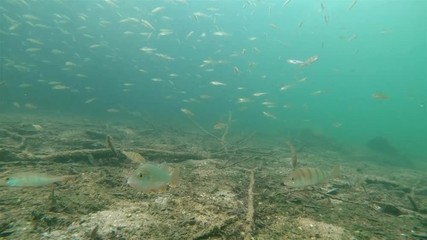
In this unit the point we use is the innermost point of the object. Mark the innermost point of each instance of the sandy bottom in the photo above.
(210, 200)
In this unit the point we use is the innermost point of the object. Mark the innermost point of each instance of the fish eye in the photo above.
(140, 175)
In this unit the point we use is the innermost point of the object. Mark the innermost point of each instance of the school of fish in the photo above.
(70, 46)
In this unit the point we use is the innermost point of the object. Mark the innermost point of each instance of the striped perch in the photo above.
(311, 176)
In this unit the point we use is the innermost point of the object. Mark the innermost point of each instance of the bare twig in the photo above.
(220, 139)
(250, 210)
(82, 155)
(110, 144)
(414, 205)
(226, 129)
(294, 159)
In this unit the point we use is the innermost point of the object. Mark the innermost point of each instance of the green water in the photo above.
(92, 48)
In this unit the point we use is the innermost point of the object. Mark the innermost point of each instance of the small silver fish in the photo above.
(295, 61)
(32, 180)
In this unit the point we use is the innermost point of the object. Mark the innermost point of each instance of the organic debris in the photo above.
(219, 196)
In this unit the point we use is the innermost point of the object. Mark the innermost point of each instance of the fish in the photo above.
(34, 41)
(164, 56)
(326, 19)
(30, 17)
(243, 100)
(302, 79)
(197, 15)
(37, 127)
(304, 177)
(286, 3)
(268, 103)
(258, 94)
(25, 85)
(32, 50)
(157, 9)
(60, 87)
(316, 92)
(33, 180)
(54, 83)
(187, 112)
(152, 177)
(352, 5)
(134, 156)
(269, 115)
(310, 60)
(16, 104)
(70, 64)
(221, 34)
(113, 110)
(90, 100)
(30, 106)
(147, 49)
(220, 125)
(147, 24)
(217, 83)
(95, 46)
(294, 61)
(236, 70)
(165, 32)
(285, 87)
(379, 96)
(81, 75)
(57, 51)
(129, 20)
(189, 35)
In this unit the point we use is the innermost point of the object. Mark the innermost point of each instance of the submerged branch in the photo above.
(82, 155)
(250, 207)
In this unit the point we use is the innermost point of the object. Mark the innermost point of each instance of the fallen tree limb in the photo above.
(75, 155)
(82, 155)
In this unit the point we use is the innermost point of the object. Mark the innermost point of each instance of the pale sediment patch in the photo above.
(323, 230)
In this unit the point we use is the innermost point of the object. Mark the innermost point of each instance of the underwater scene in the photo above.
(213, 119)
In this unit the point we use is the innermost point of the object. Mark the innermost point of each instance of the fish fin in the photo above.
(336, 172)
(174, 177)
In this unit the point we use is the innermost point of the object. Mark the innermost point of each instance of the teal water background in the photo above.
(93, 49)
